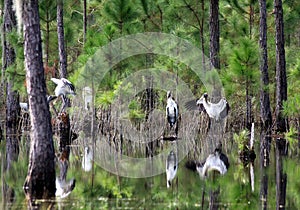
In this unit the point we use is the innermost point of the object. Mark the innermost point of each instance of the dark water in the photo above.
(99, 189)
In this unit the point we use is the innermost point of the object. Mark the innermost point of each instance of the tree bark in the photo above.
(214, 44)
(214, 31)
(281, 177)
(12, 96)
(265, 109)
(40, 180)
(84, 21)
(281, 81)
(61, 40)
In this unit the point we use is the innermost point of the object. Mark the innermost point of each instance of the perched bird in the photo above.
(63, 188)
(217, 161)
(87, 159)
(171, 110)
(63, 88)
(217, 111)
(171, 167)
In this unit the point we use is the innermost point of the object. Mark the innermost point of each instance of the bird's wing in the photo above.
(68, 83)
(191, 105)
(56, 81)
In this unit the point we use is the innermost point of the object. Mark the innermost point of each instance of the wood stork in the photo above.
(216, 161)
(171, 110)
(171, 167)
(63, 88)
(217, 111)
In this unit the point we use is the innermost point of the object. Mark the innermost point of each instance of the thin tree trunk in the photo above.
(84, 21)
(265, 109)
(214, 44)
(61, 40)
(281, 177)
(265, 144)
(214, 31)
(40, 180)
(281, 81)
(202, 34)
(12, 96)
(47, 41)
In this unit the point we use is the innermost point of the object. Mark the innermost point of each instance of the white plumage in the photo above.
(171, 109)
(24, 106)
(171, 168)
(63, 87)
(216, 111)
(63, 188)
(214, 162)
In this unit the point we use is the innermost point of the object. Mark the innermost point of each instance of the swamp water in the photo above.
(99, 189)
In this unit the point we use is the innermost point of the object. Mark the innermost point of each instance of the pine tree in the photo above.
(281, 80)
(40, 180)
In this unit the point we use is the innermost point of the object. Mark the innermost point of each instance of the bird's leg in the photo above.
(64, 103)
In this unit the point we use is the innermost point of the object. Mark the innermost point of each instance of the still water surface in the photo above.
(99, 189)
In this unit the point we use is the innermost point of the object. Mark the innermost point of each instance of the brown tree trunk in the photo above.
(281, 177)
(214, 44)
(12, 96)
(265, 109)
(84, 20)
(214, 31)
(61, 40)
(40, 180)
(281, 81)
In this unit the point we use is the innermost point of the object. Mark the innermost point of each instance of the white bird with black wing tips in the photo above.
(171, 110)
(63, 88)
(217, 111)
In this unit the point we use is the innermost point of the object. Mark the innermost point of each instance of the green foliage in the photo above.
(292, 137)
(121, 13)
(292, 105)
(241, 139)
(136, 114)
(105, 99)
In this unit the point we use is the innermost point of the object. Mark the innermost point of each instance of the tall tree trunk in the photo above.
(281, 82)
(214, 31)
(265, 109)
(61, 40)
(214, 44)
(202, 34)
(84, 20)
(12, 96)
(40, 180)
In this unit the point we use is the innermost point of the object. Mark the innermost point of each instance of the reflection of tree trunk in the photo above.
(264, 188)
(281, 178)
(213, 199)
(265, 143)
